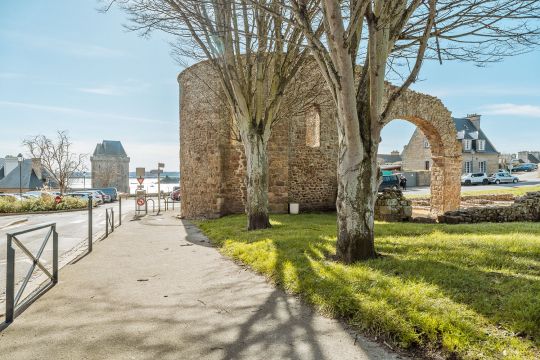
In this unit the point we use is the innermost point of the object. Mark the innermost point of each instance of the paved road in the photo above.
(526, 180)
(72, 228)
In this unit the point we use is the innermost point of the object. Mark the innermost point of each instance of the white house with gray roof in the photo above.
(479, 153)
(28, 176)
(110, 166)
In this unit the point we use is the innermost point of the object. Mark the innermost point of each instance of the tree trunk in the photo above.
(358, 181)
(255, 146)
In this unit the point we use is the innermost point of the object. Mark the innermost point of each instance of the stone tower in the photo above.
(110, 166)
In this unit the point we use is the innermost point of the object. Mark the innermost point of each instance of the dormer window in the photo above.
(481, 145)
(461, 134)
(467, 144)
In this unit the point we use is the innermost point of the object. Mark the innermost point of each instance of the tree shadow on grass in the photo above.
(412, 300)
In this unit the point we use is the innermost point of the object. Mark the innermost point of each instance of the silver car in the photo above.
(502, 177)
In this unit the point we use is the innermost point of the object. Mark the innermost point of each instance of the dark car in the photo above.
(389, 182)
(111, 191)
(525, 167)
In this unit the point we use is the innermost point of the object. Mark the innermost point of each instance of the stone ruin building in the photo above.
(302, 151)
(110, 166)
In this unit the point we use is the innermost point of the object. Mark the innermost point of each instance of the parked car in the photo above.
(175, 195)
(474, 179)
(389, 182)
(38, 194)
(106, 198)
(502, 177)
(96, 196)
(111, 191)
(525, 167)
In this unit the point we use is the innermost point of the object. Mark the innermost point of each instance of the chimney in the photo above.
(36, 166)
(475, 119)
(394, 153)
(10, 164)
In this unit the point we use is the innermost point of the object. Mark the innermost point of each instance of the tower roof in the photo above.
(110, 147)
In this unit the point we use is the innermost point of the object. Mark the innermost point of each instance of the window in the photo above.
(426, 144)
(426, 165)
(480, 145)
(467, 144)
(313, 127)
(468, 167)
(482, 166)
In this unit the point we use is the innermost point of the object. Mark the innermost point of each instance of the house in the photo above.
(478, 152)
(27, 176)
(110, 166)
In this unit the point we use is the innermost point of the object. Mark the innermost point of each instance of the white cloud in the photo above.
(81, 112)
(104, 90)
(129, 86)
(511, 110)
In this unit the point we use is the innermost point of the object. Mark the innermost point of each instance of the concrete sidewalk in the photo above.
(156, 289)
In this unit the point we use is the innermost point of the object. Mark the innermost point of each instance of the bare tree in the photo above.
(56, 157)
(255, 54)
(362, 42)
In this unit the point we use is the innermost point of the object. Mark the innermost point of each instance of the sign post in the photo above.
(160, 167)
(140, 194)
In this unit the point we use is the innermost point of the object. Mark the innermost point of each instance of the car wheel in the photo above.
(497, 182)
(515, 181)
(467, 182)
(485, 181)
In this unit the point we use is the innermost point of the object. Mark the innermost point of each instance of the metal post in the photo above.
(106, 222)
(10, 281)
(159, 192)
(120, 211)
(90, 223)
(55, 255)
(112, 220)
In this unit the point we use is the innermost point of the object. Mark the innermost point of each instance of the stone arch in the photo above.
(435, 121)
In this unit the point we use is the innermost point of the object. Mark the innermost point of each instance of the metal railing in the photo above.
(169, 201)
(12, 299)
(109, 221)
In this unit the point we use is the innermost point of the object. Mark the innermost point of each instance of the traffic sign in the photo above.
(140, 201)
(140, 180)
(140, 172)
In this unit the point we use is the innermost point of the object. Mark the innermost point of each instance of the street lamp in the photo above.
(84, 180)
(20, 159)
(160, 167)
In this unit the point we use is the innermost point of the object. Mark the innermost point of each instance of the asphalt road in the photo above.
(72, 228)
(526, 180)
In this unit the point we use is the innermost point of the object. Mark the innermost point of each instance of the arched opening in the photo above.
(428, 157)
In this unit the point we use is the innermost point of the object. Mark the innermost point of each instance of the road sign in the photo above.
(140, 172)
(140, 201)
(140, 180)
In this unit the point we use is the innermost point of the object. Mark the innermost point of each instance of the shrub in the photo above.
(44, 203)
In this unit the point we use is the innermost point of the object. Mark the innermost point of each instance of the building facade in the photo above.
(302, 150)
(110, 166)
(26, 176)
(478, 152)
(529, 157)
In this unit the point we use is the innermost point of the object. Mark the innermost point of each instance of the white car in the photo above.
(502, 177)
(96, 196)
(475, 178)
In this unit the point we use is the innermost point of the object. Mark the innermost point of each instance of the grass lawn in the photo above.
(466, 291)
(517, 191)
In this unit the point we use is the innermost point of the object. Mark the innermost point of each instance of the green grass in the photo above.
(517, 191)
(471, 291)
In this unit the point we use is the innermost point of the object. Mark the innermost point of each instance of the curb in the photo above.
(42, 212)
(14, 223)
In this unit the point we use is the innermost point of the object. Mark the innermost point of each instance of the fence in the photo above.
(15, 304)
(12, 299)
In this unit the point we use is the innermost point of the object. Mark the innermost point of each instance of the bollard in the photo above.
(106, 222)
(90, 223)
(119, 210)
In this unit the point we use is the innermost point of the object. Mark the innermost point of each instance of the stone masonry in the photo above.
(110, 166)
(302, 165)
(392, 206)
(525, 208)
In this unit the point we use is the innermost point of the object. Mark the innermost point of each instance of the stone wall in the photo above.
(526, 208)
(302, 167)
(392, 206)
(110, 171)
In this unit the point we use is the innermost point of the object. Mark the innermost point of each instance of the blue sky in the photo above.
(63, 65)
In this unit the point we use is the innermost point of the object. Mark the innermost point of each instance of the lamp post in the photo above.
(84, 180)
(159, 168)
(20, 159)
